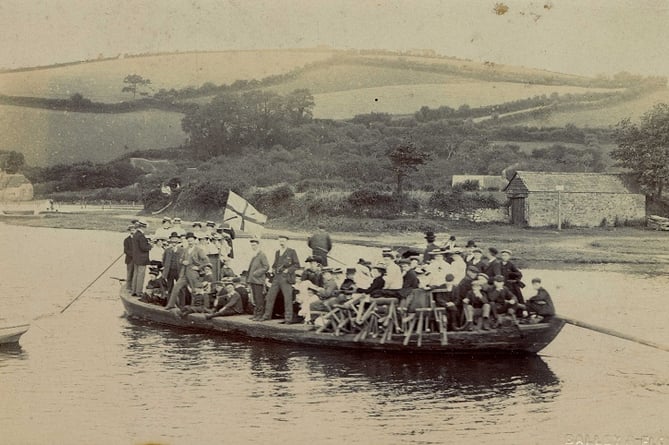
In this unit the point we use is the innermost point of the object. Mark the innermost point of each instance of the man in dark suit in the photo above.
(140, 257)
(256, 272)
(172, 261)
(321, 245)
(127, 249)
(284, 267)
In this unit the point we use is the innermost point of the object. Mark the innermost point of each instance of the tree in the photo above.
(299, 104)
(644, 148)
(135, 84)
(404, 160)
(11, 161)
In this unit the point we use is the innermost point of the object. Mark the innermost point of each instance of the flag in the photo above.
(243, 216)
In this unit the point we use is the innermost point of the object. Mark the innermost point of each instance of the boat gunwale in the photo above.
(299, 335)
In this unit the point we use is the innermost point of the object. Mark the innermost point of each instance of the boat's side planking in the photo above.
(513, 339)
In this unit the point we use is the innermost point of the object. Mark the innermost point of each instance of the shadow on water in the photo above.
(421, 376)
(11, 351)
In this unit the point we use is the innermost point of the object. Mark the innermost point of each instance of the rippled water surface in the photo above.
(89, 375)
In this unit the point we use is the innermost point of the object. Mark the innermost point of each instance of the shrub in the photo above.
(274, 201)
(470, 185)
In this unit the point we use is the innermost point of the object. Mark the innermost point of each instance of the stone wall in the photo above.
(23, 192)
(583, 209)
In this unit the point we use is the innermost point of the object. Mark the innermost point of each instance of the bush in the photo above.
(274, 201)
(470, 185)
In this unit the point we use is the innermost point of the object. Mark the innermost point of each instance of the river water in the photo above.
(89, 375)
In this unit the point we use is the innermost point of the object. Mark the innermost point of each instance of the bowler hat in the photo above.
(190, 235)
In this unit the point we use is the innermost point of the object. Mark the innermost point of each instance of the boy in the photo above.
(541, 304)
(229, 303)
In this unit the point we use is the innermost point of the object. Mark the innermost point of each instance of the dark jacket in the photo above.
(512, 276)
(493, 268)
(314, 276)
(377, 284)
(244, 295)
(410, 280)
(447, 296)
(127, 249)
(320, 243)
(140, 249)
(285, 265)
(172, 259)
(258, 267)
(541, 303)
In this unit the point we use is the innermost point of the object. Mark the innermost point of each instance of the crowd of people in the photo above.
(477, 288)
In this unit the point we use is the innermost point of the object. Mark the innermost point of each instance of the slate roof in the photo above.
(524, 181)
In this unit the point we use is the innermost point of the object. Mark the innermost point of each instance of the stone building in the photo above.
(579, 199)
(15, 187)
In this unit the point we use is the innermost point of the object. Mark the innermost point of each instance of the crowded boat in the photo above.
(443, 287)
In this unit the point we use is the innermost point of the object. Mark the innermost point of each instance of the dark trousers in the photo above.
(129, 273)
(138, 279)
(280, 284)
(171, 277)
(258, 292)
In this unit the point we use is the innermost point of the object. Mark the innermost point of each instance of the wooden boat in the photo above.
(515, 339)
(11, 334)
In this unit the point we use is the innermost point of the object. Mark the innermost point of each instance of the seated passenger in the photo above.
(458, 265)
(363, 273)
(226, 269)
(409, 278)
(227, 303)
(503, 301)
(393, 276)
(437, 269)
(447, 297)
(156, 288)
(378, 282)
(477, 260)
(476, 308)
(243, 292)
(348, 286)
(312, 271)
(540, 304)
(329, 294)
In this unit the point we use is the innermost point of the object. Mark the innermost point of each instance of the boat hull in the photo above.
(523, 339)
(12, 334)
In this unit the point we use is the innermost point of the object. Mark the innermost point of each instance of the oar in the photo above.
(607, 331)
(330, 256)
(92, 282)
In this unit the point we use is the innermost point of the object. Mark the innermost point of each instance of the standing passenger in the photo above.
(192, 260)
(258, 267)
(140, 258)
(284, 267)
(129, 266)
(320, 244)
(430, 238)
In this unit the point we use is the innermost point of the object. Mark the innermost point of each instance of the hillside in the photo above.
(344, 84)
(102, 80)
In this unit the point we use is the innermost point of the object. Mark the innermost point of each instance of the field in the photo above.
(102, 81)
(343, 86)
(407, 99)
(606, 117)
(52, 137)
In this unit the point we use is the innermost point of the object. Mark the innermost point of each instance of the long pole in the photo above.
(559, 221)
(331, 257)
(607, 331)
(92, 282)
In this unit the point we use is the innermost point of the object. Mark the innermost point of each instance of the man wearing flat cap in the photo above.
(127, 250)
(285, 264)
(140, 257)
(256, 277)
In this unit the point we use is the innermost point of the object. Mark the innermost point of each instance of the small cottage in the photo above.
(538, 199)
(15, 187)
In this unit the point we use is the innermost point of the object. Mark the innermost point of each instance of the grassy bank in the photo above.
(623, 249)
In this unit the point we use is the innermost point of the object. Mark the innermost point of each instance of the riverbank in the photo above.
(620, 248)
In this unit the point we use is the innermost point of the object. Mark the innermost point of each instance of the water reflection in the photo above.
(396, 378)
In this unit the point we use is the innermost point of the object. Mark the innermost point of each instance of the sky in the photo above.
(586, 37)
